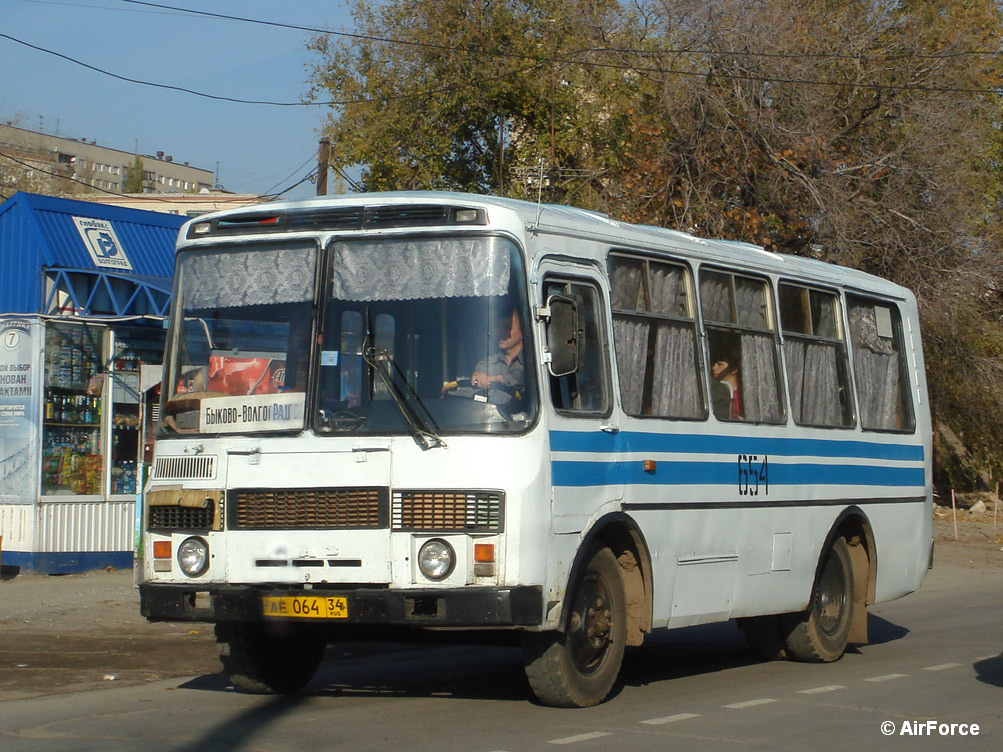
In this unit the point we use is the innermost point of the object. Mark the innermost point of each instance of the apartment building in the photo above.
(44, 163)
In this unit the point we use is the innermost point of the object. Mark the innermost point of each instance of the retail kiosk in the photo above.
(84, 289)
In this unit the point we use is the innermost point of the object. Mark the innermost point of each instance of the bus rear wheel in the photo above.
(821, 634)
(577, 668)
(269, 659)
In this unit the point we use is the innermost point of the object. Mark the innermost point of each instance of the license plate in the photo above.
(305, 606)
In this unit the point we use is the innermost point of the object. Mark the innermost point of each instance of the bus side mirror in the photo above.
(564, 340)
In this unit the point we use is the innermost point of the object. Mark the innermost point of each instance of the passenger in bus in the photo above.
(726, 391)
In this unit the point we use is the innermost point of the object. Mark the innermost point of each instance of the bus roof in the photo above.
(571, 221)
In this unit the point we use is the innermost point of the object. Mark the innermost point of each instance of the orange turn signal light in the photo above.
(484, 552)
(649, 466)
(162, 549)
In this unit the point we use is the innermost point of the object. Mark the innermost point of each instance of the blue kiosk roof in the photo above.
(59, 255)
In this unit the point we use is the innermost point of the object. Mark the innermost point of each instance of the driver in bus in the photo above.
(506, 367)
(501, 377)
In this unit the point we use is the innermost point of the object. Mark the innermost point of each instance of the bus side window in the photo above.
(586, 390)
(815, 351)
(879, 366)
(655, 338)
(741, 347)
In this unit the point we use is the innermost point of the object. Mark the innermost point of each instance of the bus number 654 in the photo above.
(753, 475)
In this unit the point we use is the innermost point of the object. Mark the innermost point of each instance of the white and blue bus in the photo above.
(438, 410)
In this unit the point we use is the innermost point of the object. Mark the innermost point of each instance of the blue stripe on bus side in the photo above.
(669, 473)
(629, 441)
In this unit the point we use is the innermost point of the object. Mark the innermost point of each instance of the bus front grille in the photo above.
(181, 518)
(307, 508)
(448, 511)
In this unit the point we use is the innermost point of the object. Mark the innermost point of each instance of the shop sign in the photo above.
(252, 413)
(102, 243)
(19, 409)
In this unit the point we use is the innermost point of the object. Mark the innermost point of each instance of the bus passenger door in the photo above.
(583, 441)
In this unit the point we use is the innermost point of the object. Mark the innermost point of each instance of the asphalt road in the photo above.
(936, 655)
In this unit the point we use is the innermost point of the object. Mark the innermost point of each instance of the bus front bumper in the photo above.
(473, 607)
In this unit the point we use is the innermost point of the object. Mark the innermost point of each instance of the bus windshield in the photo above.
(420, 335)
(426, 332)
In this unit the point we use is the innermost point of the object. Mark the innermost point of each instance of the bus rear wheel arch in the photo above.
(770, 635)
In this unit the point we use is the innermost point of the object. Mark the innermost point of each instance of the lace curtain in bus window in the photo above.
(877, 371)
(674, 380)
(751, 306)
(816, 371)
(256, 277)
(668, 290)
(760, 395)
(630, 338)
(715, 297)
(625, 289)
(402, 269)
(751, 303)
(675, 390)
(813, 374)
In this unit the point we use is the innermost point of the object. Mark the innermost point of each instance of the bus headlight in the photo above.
(436, 559)
(193, 556)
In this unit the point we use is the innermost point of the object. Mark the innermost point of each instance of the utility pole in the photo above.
(323, 156)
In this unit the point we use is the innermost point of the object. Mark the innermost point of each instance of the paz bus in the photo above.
(424, 411)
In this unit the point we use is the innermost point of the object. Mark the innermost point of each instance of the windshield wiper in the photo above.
(422, 425)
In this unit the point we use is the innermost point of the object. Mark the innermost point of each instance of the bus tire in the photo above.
(820, 634)
(262, 660)
(577, 668)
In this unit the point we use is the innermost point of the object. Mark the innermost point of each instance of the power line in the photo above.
(308, 161)
(573, 60)
(309, 176)
(452, 48)
(354, 186)
(507, 74)
(150, 83)
(98, 7)
(414, 95)
(297, 27)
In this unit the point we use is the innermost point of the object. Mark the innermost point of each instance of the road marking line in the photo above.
(670, 719)
(820, 690)
(886, 677)
(750, 703)
(580, 737)
(986, 657)
(941, 667)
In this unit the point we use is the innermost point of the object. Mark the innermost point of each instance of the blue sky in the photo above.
(259, 148)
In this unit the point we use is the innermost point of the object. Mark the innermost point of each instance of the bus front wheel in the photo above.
(268, 659)
(577, 668)
(821, 633)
